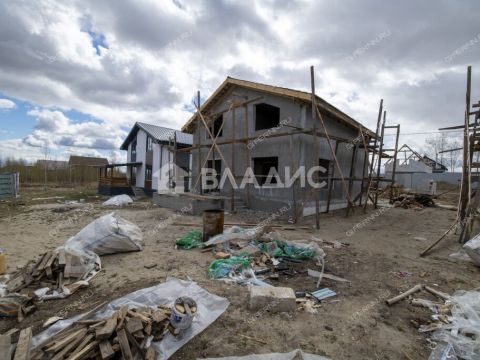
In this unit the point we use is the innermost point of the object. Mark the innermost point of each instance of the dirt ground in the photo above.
(381, 261)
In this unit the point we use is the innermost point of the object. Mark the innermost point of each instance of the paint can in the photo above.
(3, 262)
(183, 311)
(213, 221)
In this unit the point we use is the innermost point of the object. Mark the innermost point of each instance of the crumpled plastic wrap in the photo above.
(293, 355)
(119, 200)
(472, 248)
(463, 332)
(209, 308)
(109, 234)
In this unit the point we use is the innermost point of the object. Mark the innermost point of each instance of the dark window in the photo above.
(327, 164)
(216, 127)
(266, 116)
(133, 157)
(148, 173)
(217, 166)
(149, 143)
(261, 169)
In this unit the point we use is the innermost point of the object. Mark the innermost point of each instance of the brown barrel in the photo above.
(212, 223)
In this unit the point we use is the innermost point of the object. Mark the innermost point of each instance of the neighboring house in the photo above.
(147, 150)
(84, 169)
(272, 131)
(52, 164)
(417, 173)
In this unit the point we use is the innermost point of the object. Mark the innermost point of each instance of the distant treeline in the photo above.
(38, 173)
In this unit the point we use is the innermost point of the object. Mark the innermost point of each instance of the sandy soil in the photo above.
(357, 324)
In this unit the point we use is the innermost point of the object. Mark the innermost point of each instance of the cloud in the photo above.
(54, 129)
(128, 61)
(7, 104)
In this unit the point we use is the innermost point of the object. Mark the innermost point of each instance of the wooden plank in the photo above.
(107, 330)
(87, 340)
(5, 347)
(71, 345)
(106, 350)
(59, 344)
(124, 345)
(82, 354)
(134, 324)
(61, 257)
(151, 354)
(24, 344)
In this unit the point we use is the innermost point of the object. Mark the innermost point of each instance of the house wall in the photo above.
(412, 166)
(296, 150)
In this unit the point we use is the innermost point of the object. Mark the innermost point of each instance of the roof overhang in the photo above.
(274, 90)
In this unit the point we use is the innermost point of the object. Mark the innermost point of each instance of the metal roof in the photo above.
(159, 133)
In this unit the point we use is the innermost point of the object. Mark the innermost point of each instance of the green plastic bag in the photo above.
(194, 239)
(222, 267)
(279, 248)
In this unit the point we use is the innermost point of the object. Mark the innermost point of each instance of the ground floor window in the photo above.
(327, 164)
(148, 172)
(263, 166)
(217, 166)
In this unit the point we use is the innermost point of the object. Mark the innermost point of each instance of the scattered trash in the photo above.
(222, 255)
(293, 355)
(402, 274)
(412, 201)
(472, 248)
(226, 268)
(420, 238)
(318, 274)
(149, 266)
(323, 294)
(15, 306)
(119, 200)
(142, 312)
(443, 351)
(194, 239)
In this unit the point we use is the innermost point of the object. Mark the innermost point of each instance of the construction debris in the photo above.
(139, 324)
(127, 331)
(273, 299)
(56, 273)
(293, 355)
(119, 200)
(413, 201)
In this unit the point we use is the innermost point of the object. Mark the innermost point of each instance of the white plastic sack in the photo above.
(472, 248)
(294, 355)
(463, 332)
(119, 200)
(209, 306)
(236, 233)
(108, 234)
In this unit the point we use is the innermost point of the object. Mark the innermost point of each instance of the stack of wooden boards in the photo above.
(127, 334)
(54, 269)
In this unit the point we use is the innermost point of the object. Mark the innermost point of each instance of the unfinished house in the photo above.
(268, 128)
(148, 166)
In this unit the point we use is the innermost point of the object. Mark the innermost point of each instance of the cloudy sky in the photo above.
(75, 75)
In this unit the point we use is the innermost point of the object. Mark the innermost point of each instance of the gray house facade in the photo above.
(269, 130)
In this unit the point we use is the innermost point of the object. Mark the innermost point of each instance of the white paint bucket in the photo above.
(182, 320)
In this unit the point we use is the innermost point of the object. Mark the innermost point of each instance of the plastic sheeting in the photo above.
(463, 332)
(293, 355)
(209, 308)
(472, 248)
(108, 234)
(119, 200)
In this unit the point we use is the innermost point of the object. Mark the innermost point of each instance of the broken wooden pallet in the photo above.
(126, 334)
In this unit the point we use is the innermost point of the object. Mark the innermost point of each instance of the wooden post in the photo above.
(394, 166)
(175, 160)
(247, 155)
(352, 173)
(315, 142)
(199, 140)
(380, 150)
(364, 167)
(370, 173)
(292, 163)
(232, 195)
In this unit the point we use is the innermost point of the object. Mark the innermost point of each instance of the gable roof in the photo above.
(434, 164)
(275, 90)
(87, 160)
(159, 133)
